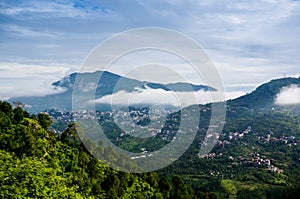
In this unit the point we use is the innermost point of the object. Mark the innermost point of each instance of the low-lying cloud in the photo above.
(162, 97)
(38, 91)
(288, 95)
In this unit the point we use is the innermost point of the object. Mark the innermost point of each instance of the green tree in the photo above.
(180, 190)
(44, 120)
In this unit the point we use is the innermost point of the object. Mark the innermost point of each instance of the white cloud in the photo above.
(41, 89)
(288, 95)
(162, 97)
(27, 32)
(18, 79)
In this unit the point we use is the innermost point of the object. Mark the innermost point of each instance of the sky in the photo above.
(250, 42)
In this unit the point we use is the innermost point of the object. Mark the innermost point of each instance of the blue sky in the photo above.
(251, 42)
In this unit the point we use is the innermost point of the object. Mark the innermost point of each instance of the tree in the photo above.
(18, 115)
(72, 132)
(44, 120)
(180, 190)
(6, 108)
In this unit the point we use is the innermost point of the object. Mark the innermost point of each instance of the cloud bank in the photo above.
(162, 97)
(288, 95)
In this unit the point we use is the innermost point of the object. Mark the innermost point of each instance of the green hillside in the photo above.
(264, 95)
(36, 163)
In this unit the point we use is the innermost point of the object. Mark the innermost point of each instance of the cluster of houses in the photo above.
(124, 118)
(288, 140)
(67, 117)
(265, 138)
(252, 159)
(212, 155)
(56, 115)
(256, 160)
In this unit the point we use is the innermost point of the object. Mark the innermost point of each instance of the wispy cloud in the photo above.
(288, 95)
(27, 32)
(52, 9)
(46, 9)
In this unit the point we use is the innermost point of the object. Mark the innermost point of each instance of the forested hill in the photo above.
(36, 163)
(264, 96)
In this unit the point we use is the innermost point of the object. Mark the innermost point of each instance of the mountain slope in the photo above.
(264, 96)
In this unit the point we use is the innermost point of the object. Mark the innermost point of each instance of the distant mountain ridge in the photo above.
(109, 79)
(262, 97)
(108, 84)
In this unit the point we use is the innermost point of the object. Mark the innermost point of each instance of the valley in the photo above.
(257, 153)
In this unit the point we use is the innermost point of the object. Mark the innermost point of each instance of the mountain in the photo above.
(108, 84)
(264, 96)
(109, 81)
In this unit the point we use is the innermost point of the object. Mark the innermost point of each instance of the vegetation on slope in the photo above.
(36, 163)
